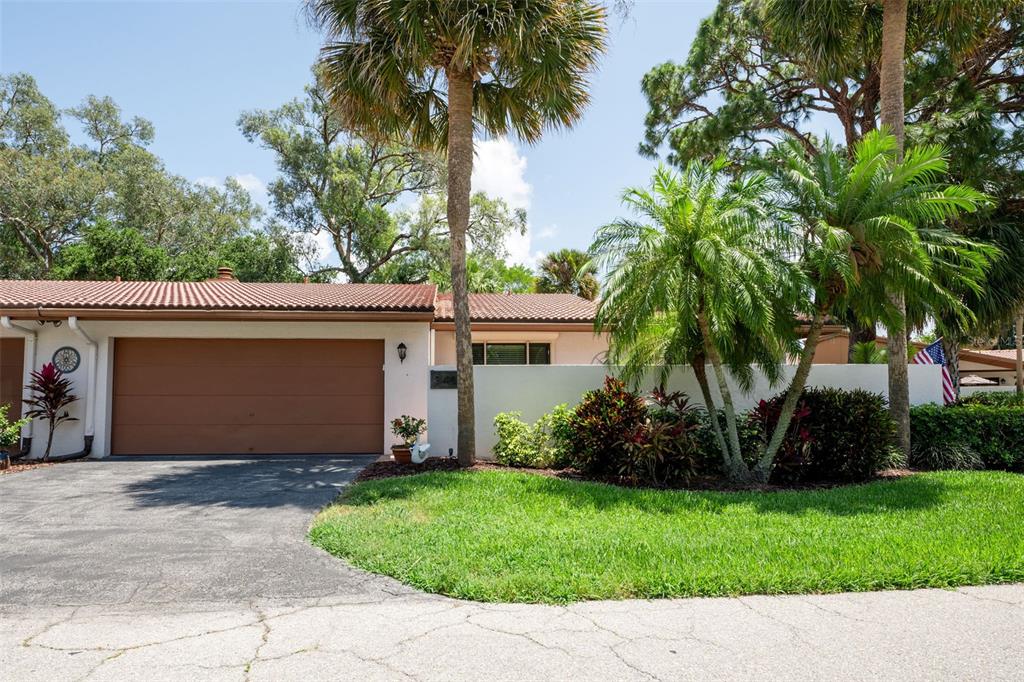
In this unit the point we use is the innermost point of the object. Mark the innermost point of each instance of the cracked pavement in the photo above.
(182, 570)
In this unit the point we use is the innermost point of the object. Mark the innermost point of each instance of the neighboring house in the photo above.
(995, 367)
(228, 367)
(977, 367)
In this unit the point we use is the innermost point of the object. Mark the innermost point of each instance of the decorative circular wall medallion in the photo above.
(66, 359)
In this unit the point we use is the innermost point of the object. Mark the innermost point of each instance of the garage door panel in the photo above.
(12, 357)
(236, 396)
(276, 379)
(273, 410)
(253, 439)
(249, 352)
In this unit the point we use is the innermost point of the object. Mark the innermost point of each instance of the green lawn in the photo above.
(509, 536)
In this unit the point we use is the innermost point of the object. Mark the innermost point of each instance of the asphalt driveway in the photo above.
(144, 530)
(170, 569)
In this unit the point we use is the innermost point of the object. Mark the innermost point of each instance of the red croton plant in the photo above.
(51, 396)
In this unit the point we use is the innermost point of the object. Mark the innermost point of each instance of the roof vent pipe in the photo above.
(224, 274)
(30, 355)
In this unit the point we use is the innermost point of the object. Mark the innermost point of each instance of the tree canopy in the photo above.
(109, 207)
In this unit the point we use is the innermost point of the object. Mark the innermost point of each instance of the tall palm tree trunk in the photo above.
(1018, 325)
(859, 333)
(763, 469)
(737, 469)
(700, 371)
(460, 170)
(894, 37)
(951, 347)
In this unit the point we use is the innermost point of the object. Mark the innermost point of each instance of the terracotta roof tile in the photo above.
(998, 353)
(216, 295)
(521, 308)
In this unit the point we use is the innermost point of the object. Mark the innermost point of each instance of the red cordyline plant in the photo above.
(51, 395)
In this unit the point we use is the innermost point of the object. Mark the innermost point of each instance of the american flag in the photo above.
(934, 355)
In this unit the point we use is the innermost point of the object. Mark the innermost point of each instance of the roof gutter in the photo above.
(520, 325)
(30, 348)
(228, 314)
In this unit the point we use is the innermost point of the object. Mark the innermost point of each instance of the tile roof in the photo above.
(1010, 353)
(216, 295)
(520, 308)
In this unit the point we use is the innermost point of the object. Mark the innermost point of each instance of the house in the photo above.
(994, 367)
(977, 367)
(225, 367)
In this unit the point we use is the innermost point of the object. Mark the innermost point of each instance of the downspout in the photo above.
(30, 342)
(90, 394)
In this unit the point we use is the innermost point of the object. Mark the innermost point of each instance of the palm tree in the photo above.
(567, 271)
(872, 225)
(890, 95)
(837, 36)
(435, 72)
(1018, 332)
(700, 278)
(868, 353)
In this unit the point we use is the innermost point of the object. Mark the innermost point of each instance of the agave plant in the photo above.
(51, 396)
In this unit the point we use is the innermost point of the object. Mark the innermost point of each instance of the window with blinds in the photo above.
(511, 353)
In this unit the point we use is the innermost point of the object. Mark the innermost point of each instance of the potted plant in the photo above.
(409, 430)
(51, 396)
(10, 432)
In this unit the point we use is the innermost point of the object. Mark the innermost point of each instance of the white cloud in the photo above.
(251, 183)
(500, 171)
(548, 232)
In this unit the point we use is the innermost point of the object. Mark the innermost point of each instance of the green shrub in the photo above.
(750, 440)
(540, 446)
(997, 398)
(602, 421)
(665, 448)
(10, 432)
(559, 425)
(944, 456)
(842, 436)
(995, 433)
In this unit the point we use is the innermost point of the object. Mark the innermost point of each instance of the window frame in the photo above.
(526, 344)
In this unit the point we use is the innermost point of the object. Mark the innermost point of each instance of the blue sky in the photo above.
(192, 67)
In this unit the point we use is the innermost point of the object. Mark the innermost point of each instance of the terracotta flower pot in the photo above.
(402, 454)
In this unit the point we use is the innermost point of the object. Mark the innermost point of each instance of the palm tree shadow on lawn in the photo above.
(878, 497)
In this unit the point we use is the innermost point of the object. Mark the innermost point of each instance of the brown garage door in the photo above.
(12, 357)
(237, 396)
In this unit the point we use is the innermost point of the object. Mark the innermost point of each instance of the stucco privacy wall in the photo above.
(567, 347)
(535, 390)
(405, 383)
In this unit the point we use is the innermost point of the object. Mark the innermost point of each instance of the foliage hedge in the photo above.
(995, 433)
(540, 446)
(997, 398)
(840, 436)
(604, 419)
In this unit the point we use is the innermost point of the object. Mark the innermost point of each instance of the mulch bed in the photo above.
(390, 469)
(24, 465)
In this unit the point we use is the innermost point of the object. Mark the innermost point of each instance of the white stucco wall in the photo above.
(971, 390)
(405, 383)
(535, 390)
(567, 347)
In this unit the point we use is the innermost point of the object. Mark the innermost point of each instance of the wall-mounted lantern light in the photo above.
(401, 352)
